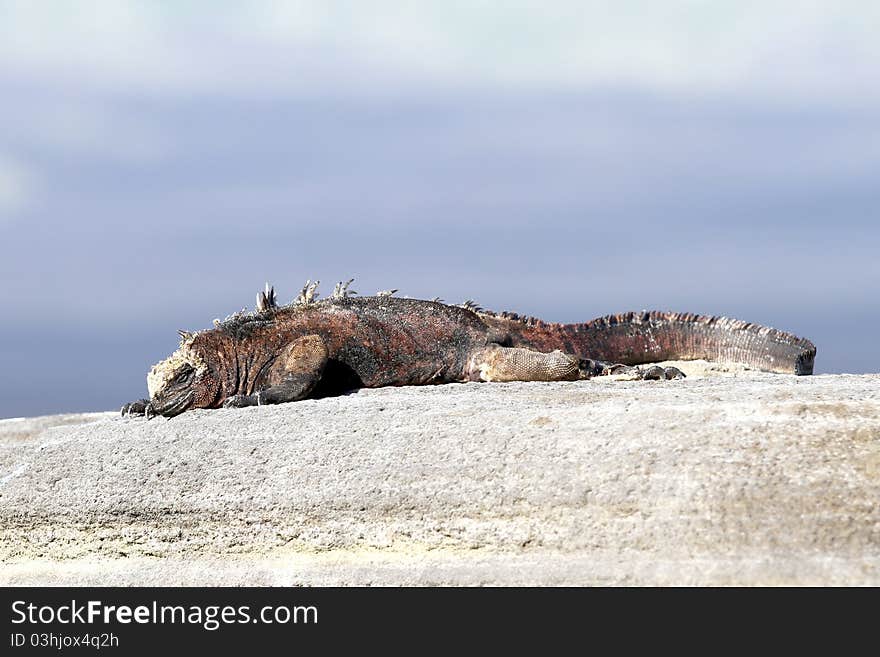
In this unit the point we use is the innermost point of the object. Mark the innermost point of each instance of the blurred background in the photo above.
(159, 161)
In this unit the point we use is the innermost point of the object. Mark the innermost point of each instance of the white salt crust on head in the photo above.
(162, 372)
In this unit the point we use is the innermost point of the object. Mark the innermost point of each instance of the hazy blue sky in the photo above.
(160, 161)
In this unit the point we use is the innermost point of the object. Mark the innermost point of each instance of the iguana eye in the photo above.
(182, 376)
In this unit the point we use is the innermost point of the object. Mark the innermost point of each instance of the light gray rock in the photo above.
(743, 478)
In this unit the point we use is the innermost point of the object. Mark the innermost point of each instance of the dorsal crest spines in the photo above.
(308, 294)
(266, 299)
(341, 290)
(186, 337)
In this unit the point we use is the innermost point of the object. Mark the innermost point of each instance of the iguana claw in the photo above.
(135, 408)
(651, 373)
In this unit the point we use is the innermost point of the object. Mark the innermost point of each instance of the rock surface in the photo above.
(735, 478)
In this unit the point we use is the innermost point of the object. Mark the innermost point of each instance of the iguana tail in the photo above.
(642, 337)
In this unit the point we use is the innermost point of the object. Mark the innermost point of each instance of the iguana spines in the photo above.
(266, 300)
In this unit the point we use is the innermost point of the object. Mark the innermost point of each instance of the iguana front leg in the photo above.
(294, 374)
(497, 363)
(137, 407)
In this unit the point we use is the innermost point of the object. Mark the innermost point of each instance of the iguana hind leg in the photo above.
(294, 374)
(497, 363)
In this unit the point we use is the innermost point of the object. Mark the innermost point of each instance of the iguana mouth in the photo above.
(169, 406)
(171, 392)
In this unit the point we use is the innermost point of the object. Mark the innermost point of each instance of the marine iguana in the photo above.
(317, 348)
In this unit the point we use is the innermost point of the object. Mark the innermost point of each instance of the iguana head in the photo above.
(176, 383)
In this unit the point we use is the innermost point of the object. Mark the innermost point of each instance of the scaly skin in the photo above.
(316, 348)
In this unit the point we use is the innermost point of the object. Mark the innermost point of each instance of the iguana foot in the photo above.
(652, 373)
(138, 407)
(588, 368)
(241, 401)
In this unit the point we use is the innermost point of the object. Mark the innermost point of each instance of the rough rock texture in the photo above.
(740, 478)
